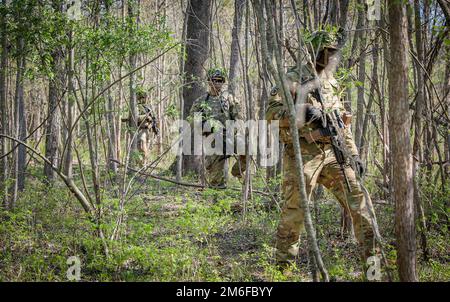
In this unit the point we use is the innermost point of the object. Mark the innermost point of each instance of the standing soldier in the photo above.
(216, 107)
(146, 124)
(319, 161)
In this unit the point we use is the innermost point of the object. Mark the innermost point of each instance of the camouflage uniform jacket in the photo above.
(217, 108)
(278, 110)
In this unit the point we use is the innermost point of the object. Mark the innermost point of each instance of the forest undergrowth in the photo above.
(175, 233)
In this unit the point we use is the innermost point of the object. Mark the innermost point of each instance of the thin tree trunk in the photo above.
(133, 13)
(343, 6)
(417, 147)
(68, 167)
(387, 173)
(53, 122)
(399, 122)
(179, 163)
(234, 55)
(373, 87)
(360, 101)
(20, 158)
(249, 106)
(3, 107)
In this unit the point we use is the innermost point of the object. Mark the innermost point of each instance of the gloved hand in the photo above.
(239, 167)
(313, 116)
(359, 165)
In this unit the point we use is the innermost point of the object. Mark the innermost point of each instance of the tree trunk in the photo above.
(68, 168)
(360, 101)
(417, 147)
(249, 106)
(446, 90)
(21, 129)
(133, 13)
(368, 115)
(234, 56)
(198, 14)
(3, 108)
(399, 122)
(343, 6)
(53, 122)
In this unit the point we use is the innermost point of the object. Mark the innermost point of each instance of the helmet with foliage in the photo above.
(141, 94)
(332, 38)
(323, 44)
(216, 74)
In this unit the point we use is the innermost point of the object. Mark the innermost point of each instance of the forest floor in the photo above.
(173, 233)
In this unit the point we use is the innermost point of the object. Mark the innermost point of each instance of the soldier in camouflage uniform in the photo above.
(217, 106)
(146, 124)
(319, 163)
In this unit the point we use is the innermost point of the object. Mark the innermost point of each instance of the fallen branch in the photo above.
(68, 181)
(182, 183)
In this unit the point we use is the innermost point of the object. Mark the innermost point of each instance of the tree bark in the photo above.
(20, 127)
(53, 122)
(68, 168)
(198, 14)
(3, 107)
(417, 147)
(234, 56)
(133, 13)
(399, 122)
(21, 118)
(360, 101)
(53, 127)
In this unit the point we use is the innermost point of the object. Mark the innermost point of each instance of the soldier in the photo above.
(146, 123)
(218, 106)
(319, 162)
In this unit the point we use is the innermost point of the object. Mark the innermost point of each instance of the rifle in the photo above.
(332, 125)
(149, 112)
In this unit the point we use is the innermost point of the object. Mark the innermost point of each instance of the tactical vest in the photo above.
(216, 108)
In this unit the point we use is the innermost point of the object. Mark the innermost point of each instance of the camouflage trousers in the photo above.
(215, 169)
(320, 168)
(143, 140)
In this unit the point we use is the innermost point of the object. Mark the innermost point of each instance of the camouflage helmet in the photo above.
(322, 39)
(216, 73)
(141, 94)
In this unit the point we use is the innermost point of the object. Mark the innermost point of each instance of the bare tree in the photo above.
(53, 121)
(133, 13)
(234, 55)
(399, 121)
(3, 106)
(70, 109)
(20, 126)
(361, 36)
(418, 114)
